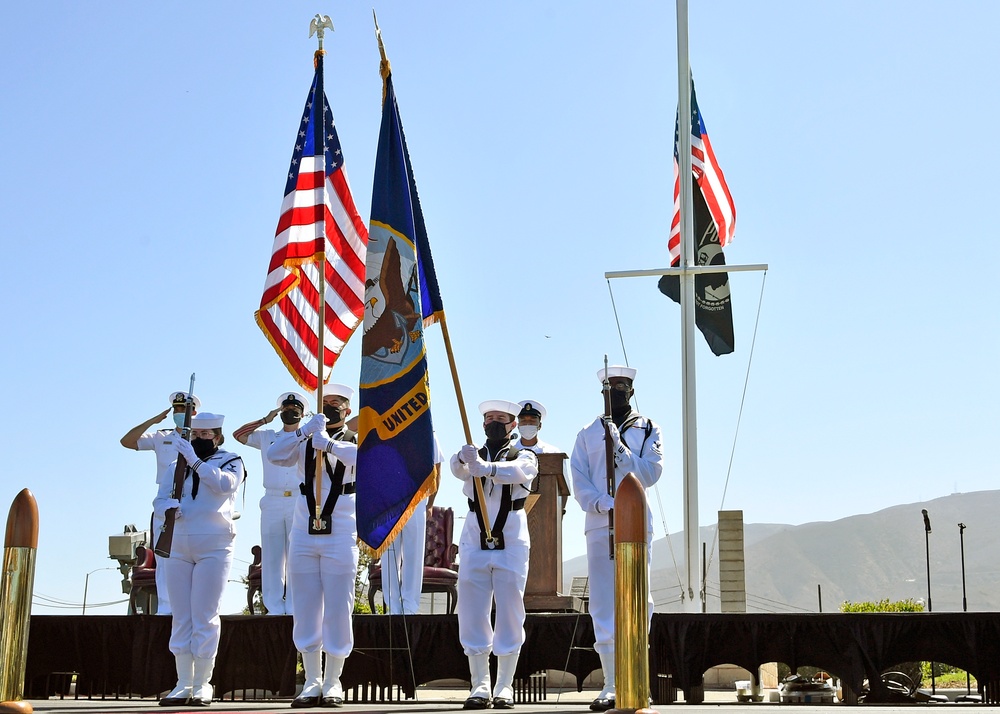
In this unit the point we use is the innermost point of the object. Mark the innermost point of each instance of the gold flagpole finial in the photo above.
(384, 69)
(318, 26)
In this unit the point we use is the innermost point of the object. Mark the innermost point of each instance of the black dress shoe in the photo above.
(335, 702)
(199, 702)
(602, 704)
(305, 702)
(503, 703)
(174, 701)
(477, 703)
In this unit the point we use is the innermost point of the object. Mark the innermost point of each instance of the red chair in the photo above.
(142, 595)
(253, 580)
(440, 570)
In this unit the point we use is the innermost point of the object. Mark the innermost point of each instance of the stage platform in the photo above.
(122, 656)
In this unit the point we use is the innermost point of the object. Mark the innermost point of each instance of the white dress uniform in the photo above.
(322, 567)
(588, 467)
(160, 442)
(403, 560)
(277, 506)
(201, 557)
(539, 447)
(500, 572)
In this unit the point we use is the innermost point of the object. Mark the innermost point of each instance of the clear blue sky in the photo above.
(142, 163)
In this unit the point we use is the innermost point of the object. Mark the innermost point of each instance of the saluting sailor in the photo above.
(201, 555)
(498, 567)
(161, 443)
(323, 555)
(277, 505)
(529, 423)
(636, 442)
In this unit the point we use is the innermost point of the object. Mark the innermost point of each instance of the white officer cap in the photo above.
(340, 390)
(287, 397)
(206, 420)
(499, 405)
(181, 398)
(617, 370)
(529, 407)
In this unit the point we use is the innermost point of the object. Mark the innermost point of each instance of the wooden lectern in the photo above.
(547, 507)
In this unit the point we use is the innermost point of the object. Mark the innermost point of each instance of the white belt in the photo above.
(281, 493)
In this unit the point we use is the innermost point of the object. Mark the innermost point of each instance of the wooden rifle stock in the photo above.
(609, 460)
(165, 539)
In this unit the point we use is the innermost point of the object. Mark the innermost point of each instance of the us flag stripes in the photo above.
(714, 227)
(319, 224)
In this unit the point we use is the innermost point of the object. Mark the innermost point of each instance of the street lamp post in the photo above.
(86, 583)
(965, 602)
(927, 546)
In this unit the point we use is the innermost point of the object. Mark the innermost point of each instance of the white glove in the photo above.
(468, 453)
(605, 503)
(478, 467)
(316, 424)
(164, 505)
(623, 455)
(321, 441)
(185, 449)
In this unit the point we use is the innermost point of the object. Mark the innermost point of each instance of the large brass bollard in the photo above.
(631, 600)
(16, 586)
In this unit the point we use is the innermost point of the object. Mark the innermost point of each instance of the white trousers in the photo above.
(162, 596)
(275, 527)
(403, 565)
(601, 571)
(321, 570)
(486, 574)
(197, 571)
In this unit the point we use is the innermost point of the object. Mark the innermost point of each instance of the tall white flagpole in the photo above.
(689, 424)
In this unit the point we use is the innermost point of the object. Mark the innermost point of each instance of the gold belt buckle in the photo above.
(287, 494)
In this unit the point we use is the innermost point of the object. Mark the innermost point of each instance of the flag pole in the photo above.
(689, 422)
(385, 70)
(318, 26)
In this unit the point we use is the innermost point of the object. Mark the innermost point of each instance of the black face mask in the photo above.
(495, 431)
(619, 399)
(290, 417)
(333, 414)
(203, 448)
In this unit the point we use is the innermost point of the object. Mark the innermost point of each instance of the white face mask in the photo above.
(528, 431)
(179, 419)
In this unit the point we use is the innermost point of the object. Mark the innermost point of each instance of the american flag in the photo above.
(710, 181)
(318, 218)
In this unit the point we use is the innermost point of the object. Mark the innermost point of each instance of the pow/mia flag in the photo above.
(714, 213)
(713, 311)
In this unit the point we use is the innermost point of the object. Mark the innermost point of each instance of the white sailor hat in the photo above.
(178, 398)
(499, 405)
(529, 407)
(617, 370)
(290, 397)
(340, 390)
(207, 420)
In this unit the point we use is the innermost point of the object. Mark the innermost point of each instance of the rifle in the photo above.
(165, 540)
(609, 458)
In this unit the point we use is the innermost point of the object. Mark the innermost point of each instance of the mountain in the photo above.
(875, 556)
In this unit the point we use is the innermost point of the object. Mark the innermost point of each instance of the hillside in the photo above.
(864, 557)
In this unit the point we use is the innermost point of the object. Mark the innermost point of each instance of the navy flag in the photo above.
(396, 441)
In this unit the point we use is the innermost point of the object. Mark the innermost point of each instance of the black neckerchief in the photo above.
(500, 452)
(195, 478)
(308, 489)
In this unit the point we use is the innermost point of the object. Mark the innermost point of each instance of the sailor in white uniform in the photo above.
(529, 423)
(281, 492)
(637, 445)
(403, 560)
(497, 568)
(160, 442)
(323, 553)
(201, 555)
